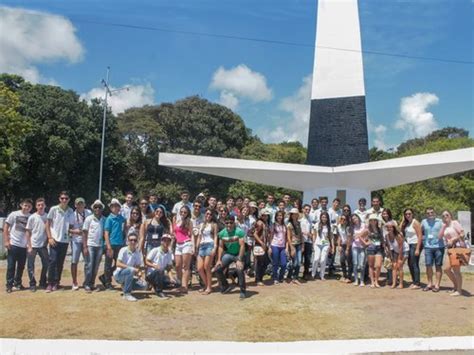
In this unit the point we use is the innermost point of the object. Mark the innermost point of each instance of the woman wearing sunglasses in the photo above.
(207, 244)
(411, 230)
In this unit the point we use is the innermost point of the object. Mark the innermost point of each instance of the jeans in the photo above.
(414, 265)
(278, 261)
(43, 254)
(228, 259)
(92, 262)
(308, 253)
(126, 279)
(158, 280)
(260, 266)
(320, 258)
(346, 261)
(16, 260)
(295, 263)
(111, 264)
(57, 254)
(359, 259)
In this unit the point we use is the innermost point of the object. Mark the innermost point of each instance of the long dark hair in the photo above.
(164, 220)
(405, 221)
(139, 219)
(297, 227)
(327, 224)
(352, 224)
(185, 221)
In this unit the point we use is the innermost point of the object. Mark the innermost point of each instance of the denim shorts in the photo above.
(76, 248)
(434, 255)
(396, 255)
(374, 250)
(205, 249)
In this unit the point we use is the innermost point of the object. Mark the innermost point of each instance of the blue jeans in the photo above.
(158, 280)
(43, 253)
(228, 259)
(16, 259)
(359, 258)
(126, 279)
(57, 254)
(278, 261)
(92, 262)
(295, 263)
(414, 264)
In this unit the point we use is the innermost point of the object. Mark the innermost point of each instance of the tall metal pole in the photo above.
(106, 85)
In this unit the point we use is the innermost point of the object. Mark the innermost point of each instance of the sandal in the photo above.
(428, 288)
(435, 289)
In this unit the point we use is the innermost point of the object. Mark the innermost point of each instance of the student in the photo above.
(37, 243)
(434, 248)
(231, 249)
(114, 241)
(92, 243)
(279, 247)
(362, 211)
(133, 223)
(260, 249)
(397, 249)
(128, 205)
(411, 230)
(374, 250)
(129, 265)
(57, 229)
(207, 247)
(376, 209)
(334, 213)
(314, 209)
(358, 241)
(182, 230)
(184, 202)
(160, 262)
(342, 233)
(152, 230)
(305, 224)
(75, 229)
(15, 242)
(145, 209)
(323, 242)
(296, 245)
(453, 235)
(323, 207)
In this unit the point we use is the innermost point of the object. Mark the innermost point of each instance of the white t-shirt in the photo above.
(95, 230)
(17, 222)
(125, 211)
(130, 258)
(342, 231)
(159, 257)
(59, 223)
(76, 222)
(334, 215)
(363, 215)
(177, 206)
(305, 225)
(36, 225)
(323, 237)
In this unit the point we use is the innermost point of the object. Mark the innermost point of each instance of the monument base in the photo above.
(346, 195)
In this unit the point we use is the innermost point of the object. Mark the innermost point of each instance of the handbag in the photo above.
(387, 263)
(258, 250)
(459, 256)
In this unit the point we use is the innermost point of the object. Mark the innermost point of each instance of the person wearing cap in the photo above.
(114, 241)
(57, 230)
(160, 262)
(201, 197)
(129, 266)
(296, 245)
(231, 249)
(75, 229)
(375, 250)
(92, 243)
(184, 202)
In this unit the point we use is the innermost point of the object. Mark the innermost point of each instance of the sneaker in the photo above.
(227, 289)
(276, 282)
(129, 297)
(243, 295)
(18, 288)
(49, 289)
(162, 296)
(33, 288)
(75, 287)
(260, 283)
(55, 287)
(87, 289)
(355, 283)
(362, 284)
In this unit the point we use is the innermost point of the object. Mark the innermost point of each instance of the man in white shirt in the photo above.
(334, 213)
(57, 230)
(362, 211)
(323, 207)
(15, 242)
(129, 265)
(305, 223)
(127, 206)
(314, 208)
(37, 243)
(184, 201)
(160, 261)
(376, 209)
(92, 242)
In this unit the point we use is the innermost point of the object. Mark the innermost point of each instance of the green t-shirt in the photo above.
(231, 240)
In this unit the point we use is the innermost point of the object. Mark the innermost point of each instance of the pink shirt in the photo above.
(454, 230)
(182, 234)
(356, 243)
(279, 236)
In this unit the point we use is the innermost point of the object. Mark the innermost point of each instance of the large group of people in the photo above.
(146, 246)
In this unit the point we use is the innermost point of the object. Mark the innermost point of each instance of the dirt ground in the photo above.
(316, 310)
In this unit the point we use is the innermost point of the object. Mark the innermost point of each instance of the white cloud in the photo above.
(295, 126)
(414, 119)
(28, 38)
(135, 96)
(240, 82)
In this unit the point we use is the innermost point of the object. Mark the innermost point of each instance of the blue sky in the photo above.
(264, 82)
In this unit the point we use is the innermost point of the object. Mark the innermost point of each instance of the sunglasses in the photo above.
(346, 210)
(97, 207)
(229, 222)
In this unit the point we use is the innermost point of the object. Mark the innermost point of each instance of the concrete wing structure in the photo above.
(355, 178)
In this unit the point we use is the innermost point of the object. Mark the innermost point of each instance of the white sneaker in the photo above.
(75, 287)
(129, 297)
(355, 283)
(362, 284)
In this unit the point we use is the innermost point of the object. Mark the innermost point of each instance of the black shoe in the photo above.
(33, 288)
(162, 296)
(19, 288)
(243, 295)
(9, 290)
(226, 289)
(109, 288)
(102, 280)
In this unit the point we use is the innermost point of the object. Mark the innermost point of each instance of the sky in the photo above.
(164, 51)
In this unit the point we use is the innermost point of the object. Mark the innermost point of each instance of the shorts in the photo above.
(434, 255)
(76, 248)
(205, 249)
(374, 250)
(184, 248)
(395, 256)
